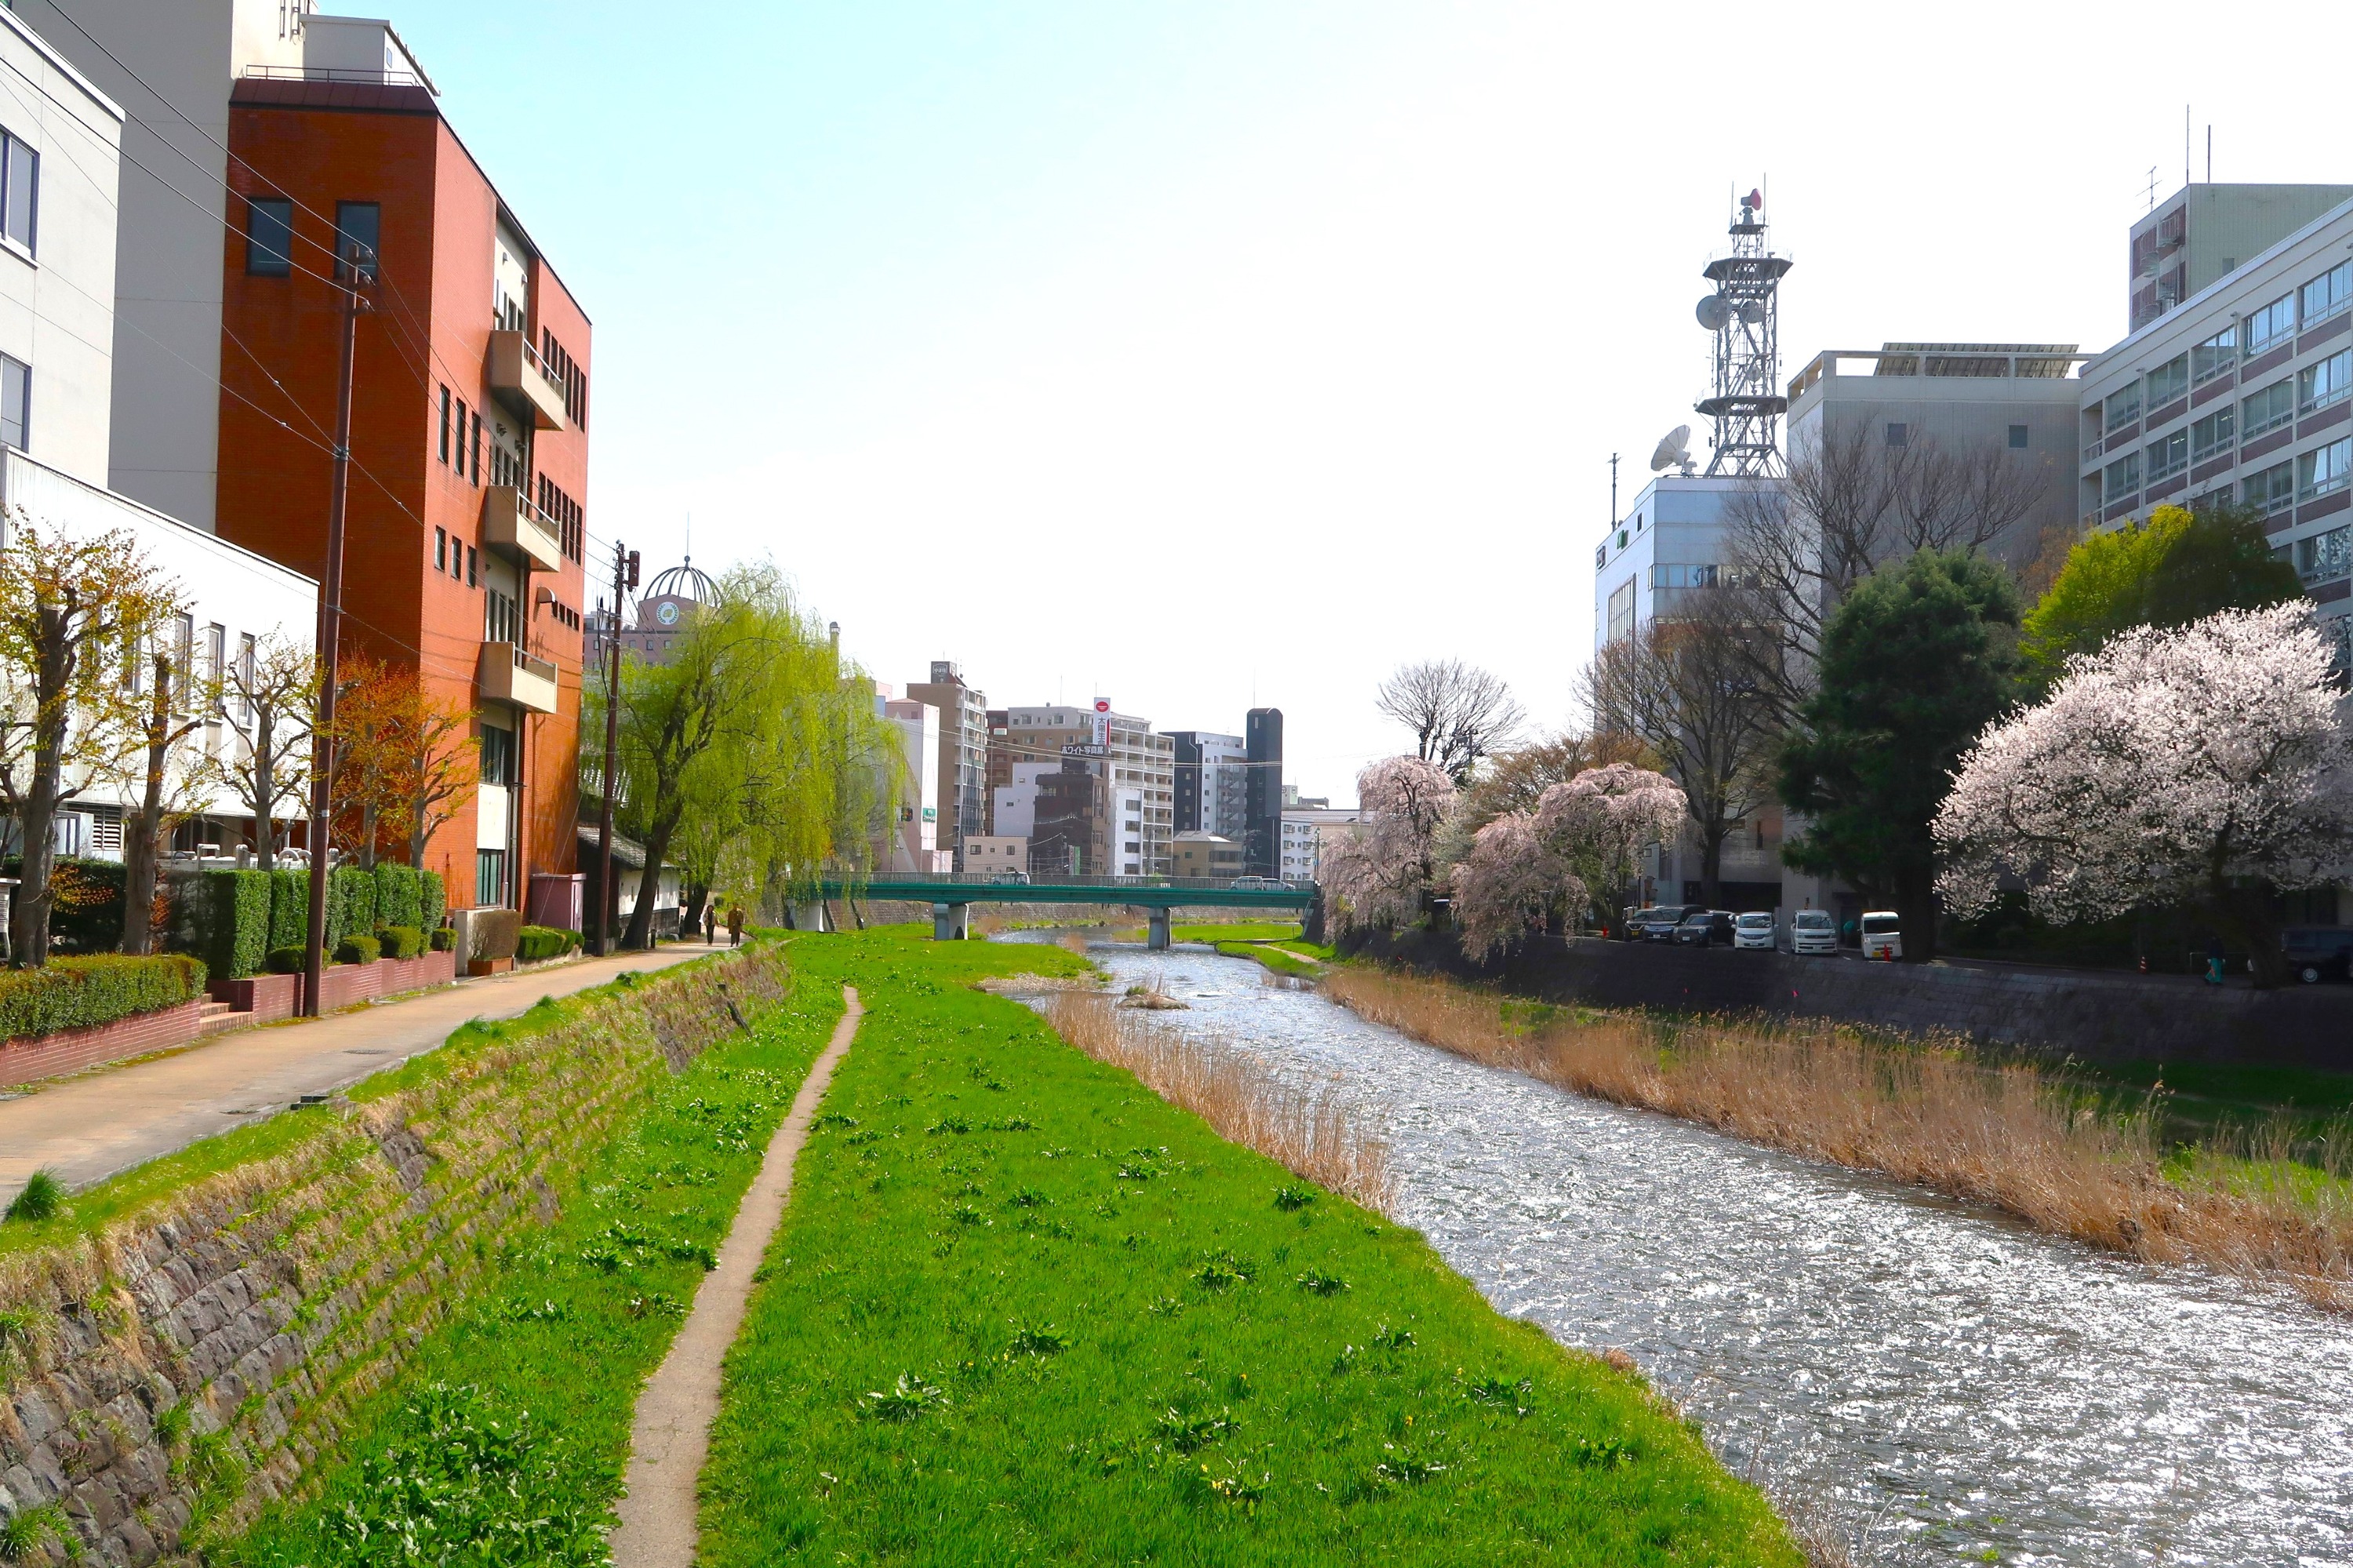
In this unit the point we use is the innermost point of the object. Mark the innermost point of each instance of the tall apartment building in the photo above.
(1129, 765)
(2201, 234)
(1305, 820)
(1145, 765)
(2242, 391)
(1262, 791)
(1211, 783)
(963, 787)
(914, 844)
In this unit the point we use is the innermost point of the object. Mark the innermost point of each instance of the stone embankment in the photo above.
(185, 1366)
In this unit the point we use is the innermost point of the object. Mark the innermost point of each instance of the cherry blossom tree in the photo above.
(1598, 825)
(1378, 875)
(1508, 884)
(2206, 765)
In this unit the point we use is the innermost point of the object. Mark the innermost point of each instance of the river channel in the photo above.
(1932, 1374)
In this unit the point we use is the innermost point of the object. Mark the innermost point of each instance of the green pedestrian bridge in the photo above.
(952, 895)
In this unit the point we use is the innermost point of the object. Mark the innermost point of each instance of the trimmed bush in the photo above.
(287, 961)
(80, 994)
(432, 901)
(350, 904)
(496, 931)
(358, 950)
(397, 897)
(85, 916)
(534, 943)
(290, 909)
(443, 938)
(231, 910)
(400, 941)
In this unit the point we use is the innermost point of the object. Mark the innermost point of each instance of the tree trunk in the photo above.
(265, 791)
(1916, 905)
(2244, 915)
(689, 914)
(641, 919)
(28, 911)
(141, 834)
(1710, 862)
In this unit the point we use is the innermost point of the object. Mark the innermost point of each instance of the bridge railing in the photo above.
(899, 879)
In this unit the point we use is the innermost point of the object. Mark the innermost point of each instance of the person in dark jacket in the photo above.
(735, 924)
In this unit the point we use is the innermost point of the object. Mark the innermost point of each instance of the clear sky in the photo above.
(1204, 353)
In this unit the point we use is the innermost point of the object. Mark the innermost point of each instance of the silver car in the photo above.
(1813, 931)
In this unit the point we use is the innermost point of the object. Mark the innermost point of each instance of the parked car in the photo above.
(1251, 882)
(1630, 922)
(1882, 934)
(2315, 953)
(1660, 924)
(1755, 929)
(1708, 928)
(1009, 874)
(1813, 931)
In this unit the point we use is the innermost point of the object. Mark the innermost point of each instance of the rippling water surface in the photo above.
(1963, 1382)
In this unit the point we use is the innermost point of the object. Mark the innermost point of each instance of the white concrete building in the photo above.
(915, 844)
(985, 853)
(1301, 857)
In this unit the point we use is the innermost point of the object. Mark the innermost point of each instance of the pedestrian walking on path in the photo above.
(735, 924)
(672, 1432)
(709, 922)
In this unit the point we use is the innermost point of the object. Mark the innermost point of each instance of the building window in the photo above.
(2324, 471)
(2267, 411)
(358, 226)
(2215, 355)
(474, 449)
(15, 403)
(490, 877)
(1666, 577)
(2168, 381)
(2271, 490)
(498, 754)
(1899, 435)
(2329, 293)
(2216, 433)
(1621, 610)
(445, 427)
(2272, 324)
(2327, 555)
(269, 237)
(2168, 456)
(440, 549)
(501, 618)
(2123, 479)
(461, 437)
(2018, 437)
(184, 651)
(216, 654)
(20, 192)
(2122, 407)
(473, 561)
(2324, 383)
(244, 676)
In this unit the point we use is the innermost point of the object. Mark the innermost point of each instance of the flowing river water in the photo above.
(1935, 1375)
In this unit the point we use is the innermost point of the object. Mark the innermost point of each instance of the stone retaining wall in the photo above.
(266, 1301)
(2092, 1015)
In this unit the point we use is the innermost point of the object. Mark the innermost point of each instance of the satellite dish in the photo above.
(1714, 312)
(1674, 450)
(1751, 313)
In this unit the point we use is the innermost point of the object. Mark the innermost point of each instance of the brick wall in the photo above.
(2094, 1015)
(72, 1050)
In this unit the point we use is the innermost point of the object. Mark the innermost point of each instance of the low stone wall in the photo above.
(2097, 1016)
(72, 1050)
(268, 1301)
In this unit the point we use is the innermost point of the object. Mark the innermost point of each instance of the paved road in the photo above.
(89, 1128)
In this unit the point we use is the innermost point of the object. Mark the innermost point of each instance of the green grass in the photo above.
(1247, 931)
(504, 1441)
(1020, 1310)
(1278, 959)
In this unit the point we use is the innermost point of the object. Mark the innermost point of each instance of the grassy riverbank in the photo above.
(2074, 1160)
(1023, 1310)
(503, 1441)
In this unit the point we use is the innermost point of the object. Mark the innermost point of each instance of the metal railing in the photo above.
(1075, 879)
(335, 73)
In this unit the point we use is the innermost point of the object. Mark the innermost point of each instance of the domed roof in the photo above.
(684, 582)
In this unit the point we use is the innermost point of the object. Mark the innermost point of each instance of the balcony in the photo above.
(519, 531)
(509, 674)
(522, 383)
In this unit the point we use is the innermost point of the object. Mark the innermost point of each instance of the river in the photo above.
(1937, 1376)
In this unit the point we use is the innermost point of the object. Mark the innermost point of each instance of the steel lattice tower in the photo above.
(1748, 404)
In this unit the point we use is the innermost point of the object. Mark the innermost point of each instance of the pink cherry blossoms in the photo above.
(1599, 822)
(2172, 765)
(1376, 875)
(1507, 884)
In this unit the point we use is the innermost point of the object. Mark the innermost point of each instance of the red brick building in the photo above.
(465, 536)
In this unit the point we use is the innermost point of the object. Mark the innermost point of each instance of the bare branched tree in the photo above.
(1457, 713)
(1688, 690)
(1850, 502)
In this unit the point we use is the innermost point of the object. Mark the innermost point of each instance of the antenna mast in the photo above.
(1744, 314)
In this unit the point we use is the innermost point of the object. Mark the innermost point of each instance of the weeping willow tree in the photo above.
(737, 755)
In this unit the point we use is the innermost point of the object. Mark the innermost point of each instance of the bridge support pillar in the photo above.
(951, 922)
(1155, 931)
(810, 917)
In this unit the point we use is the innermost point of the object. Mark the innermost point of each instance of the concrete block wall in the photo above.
(271, 1299)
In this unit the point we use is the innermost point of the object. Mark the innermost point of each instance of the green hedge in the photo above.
(397, 897)
(443, 938)
(359, 949)
(534, 943)
(400, 941)
(78, 993)
(290, 909)
(95, 927)
(288, 961)
(232, 920)
(432, 901)
(350, 904)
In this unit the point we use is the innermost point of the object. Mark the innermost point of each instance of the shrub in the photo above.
(79, 993)
(535, 942)
(232, 911)
(350, 904)
(40, 1199)
(86, 911)
(290, 909)
(287, 961)
(396, 895)
(356, 948)
(443, 938)
(400, 941)
(496, 932)
(432, 900)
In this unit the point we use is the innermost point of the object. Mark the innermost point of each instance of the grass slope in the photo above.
(505, 1440)
(1022, 1310)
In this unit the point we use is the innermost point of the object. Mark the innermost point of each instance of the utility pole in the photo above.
(625, 578)
(355, 266)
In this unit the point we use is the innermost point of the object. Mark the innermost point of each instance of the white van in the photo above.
(1882, 934)
(1753, 930)
(1813, 931)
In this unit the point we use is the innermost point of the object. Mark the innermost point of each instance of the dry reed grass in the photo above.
(1317, 1132)
(1940, 1116)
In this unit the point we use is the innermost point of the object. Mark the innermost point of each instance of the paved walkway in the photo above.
(101, 1123)
(672, 1432)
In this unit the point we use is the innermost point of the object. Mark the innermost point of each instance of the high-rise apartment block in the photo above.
(1211, 782)
(1262, 791)
(2202, 234)
(963, 787)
